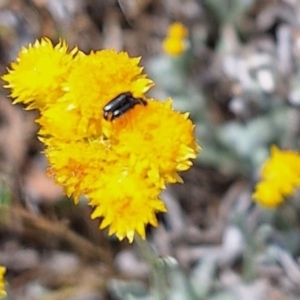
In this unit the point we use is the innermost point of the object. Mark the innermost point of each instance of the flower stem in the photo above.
(157, 268)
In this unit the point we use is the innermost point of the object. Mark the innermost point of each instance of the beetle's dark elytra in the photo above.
(120, 105)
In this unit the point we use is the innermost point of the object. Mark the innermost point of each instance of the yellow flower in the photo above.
(125, 200)
(37, 76)
(280, 177)
(94, 80)
(173, 46)
(177, 30)
(175, 43)
(123, 176)
(157, 139)
(120, 165)
(2, 282)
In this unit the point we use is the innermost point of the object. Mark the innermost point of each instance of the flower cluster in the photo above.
(121, 165)
(2, 282)
(175, 43)
(280, 177)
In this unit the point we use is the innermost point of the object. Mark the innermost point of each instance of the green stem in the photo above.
(156, 266)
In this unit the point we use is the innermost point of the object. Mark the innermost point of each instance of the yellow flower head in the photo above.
(120, 164)
(123, 176)
(2, 282)
(175, 43)
(37, 76)
(177, 30)
(280, 177)
(94, 80)
(125, 200)
(173, 46)
(157, 139)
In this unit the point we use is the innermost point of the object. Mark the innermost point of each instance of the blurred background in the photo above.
(238, 75)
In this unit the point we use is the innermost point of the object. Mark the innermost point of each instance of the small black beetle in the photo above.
(120, 105)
